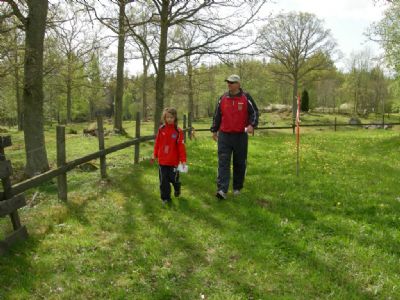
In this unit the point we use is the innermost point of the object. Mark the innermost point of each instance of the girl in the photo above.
(169, 150)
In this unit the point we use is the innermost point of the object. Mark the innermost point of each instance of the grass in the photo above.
(331, 233)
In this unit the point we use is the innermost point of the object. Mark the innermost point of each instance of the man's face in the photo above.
(233, 86)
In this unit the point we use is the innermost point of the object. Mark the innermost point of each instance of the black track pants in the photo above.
(231, 144)
(167, 175)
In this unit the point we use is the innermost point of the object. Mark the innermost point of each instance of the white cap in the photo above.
(233, 78)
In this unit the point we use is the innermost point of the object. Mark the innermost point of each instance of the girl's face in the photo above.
(169, 118)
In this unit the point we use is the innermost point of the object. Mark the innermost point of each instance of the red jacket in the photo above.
(234, 113)
(169, 147)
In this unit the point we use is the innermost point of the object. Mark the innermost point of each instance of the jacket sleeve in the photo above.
(252, 111)
(181, 147)
(217, 117)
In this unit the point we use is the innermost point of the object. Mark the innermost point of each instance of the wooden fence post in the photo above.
(61, 160)
(8, 203)
(335, 123)
(190, 116)
(137, 135)
(100, 133)
(184, 128)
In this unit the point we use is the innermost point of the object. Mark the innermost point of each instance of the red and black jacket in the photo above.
(169, 147)
(235, 112)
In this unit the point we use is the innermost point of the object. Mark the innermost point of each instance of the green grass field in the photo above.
(330, 233)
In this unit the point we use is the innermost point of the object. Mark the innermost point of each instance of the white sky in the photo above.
(347, 20)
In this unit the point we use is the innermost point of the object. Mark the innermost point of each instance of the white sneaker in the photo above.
(220, 195)
(236, 192)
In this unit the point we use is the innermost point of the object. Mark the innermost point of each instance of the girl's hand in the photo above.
(215, 136)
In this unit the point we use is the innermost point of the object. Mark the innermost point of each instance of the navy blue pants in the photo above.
(168, 175)
(231, 144)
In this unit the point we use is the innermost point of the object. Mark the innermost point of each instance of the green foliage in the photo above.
(332, 232)
(386, 32)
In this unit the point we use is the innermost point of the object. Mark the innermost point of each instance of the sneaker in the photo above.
(177, 193)
(220, 195)
(166, 201)
(236, 192)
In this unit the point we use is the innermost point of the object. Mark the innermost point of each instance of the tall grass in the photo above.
(330, 233)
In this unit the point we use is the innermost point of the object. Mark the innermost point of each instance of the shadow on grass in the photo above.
(223, 244)
(234, 221)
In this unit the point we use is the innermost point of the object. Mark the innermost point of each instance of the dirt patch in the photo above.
(264, 203)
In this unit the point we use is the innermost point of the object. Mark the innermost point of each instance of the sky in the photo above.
(348, 20)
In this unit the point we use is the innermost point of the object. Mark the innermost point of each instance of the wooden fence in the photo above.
(11, 199)
(335, 125)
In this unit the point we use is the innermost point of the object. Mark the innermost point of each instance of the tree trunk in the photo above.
(294, 99)
(36, 156)
(160, 81)
(69, 88)
(190, 87)
(120, 69)
(144, 87)
(17, 87)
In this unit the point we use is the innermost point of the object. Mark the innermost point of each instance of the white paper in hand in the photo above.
(183, 168)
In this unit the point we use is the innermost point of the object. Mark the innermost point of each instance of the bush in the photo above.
(304, 101)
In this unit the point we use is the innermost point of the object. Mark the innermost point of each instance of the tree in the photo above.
(76, 43)
(360, 66)
(213, 28)
(96, 97)
(299, 43)
(11, 64)
(386, 32)
(118, 26)
(144, 30)
(35, 26)
(304, 101)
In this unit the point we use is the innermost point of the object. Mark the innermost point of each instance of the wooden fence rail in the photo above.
(314, 125)
(12, 199)
(39, 179)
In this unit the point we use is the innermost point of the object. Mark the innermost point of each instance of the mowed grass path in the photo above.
(331, 233)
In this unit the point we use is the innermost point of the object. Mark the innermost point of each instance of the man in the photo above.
(236, 115)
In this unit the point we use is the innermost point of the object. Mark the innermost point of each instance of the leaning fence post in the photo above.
(137, 135)
(61, 160)
(184, 128)
(100, 133)
(9, 204)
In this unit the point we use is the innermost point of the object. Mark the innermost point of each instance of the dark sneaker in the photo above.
(220, 195)
(177, 193)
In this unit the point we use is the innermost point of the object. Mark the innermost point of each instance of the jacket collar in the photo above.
(238, 94)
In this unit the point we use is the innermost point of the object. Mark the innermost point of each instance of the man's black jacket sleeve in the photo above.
(216, 118)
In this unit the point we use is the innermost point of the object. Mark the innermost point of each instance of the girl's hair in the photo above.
(171, 111)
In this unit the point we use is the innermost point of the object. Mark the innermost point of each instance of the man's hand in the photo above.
(250, 129)
(215, 136)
